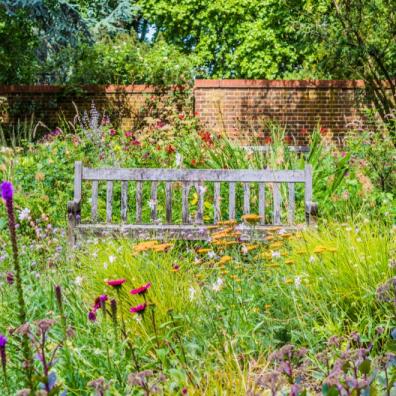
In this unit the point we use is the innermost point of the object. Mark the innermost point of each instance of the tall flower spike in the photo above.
(7, 190)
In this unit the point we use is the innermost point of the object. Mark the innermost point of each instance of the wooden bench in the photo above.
(191, 227)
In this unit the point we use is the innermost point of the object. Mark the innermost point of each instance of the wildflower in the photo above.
(92, 316)
(112, 132)
(24, 214)
(139, 309)
(203, 250)
(225, 259)
(181, 116)
(206, 137)
(178, 160)
(289, 261)
(192, 292)
(116, 282)
(211, 254)
(170, 149)
(143, 246)
(175, 267)
(78, 281)
(142, 289)
(217, 285)
(275, 254)
(3, 343)
(100, 300)
(312, 259)
(152, 204)
(251, 218)
(244, 249)
(297, 281)
(10, 278)
(112, 259)
(163, 247)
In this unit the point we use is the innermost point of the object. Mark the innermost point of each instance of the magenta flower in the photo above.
(92, 316)
(116, 282)
(142, 289)
(139, 309)
(10, 278)
(3, 357)
(113, 132)
(7, 191)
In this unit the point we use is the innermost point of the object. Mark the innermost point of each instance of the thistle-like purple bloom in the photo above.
(92, 316)
(3, 356)
(7, 191)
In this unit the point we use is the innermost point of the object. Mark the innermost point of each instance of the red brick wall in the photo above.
(243, 108)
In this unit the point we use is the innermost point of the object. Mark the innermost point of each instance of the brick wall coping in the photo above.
(287, 84)
(51, 89)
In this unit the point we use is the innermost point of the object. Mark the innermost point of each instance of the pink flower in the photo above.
(113, 132)
(181, 116)
(142, 289)
(128, 134)
(139, 309)
(135, 142)
(92, 316)
(116, 282)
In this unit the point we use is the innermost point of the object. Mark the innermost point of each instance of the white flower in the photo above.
(94, 254)
(312, 259)
(244, 249)
(192, 293)
(179, 159)
(112, 259)
(276, 254)
(24, 214)
(282, 231)
(217, 285)
(297, 281)
(105, 265)
(152, 203)
(211, 254)
(78, 281)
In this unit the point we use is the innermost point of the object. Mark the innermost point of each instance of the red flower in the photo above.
(160, 124)
(175, 267)
(135, 142)
(181, 116)
(323, 131)
(193, 162)
(288, 139)
(196, 114)
(113, 132)
(206, 137)
(170, 149)
(142, 289)
(139, 309)
(268, 140)
(116, 282)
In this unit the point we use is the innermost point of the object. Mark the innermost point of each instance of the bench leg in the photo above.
(311, 213)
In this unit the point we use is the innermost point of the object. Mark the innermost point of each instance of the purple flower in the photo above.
(92, 316)
(10, 278)
(7, 190)
(3, 341)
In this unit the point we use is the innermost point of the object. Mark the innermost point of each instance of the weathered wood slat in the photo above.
(94, 201)
(231, 201)
(195, 175)
(124, 201)
(261, 203)
(78, 176)
(277, 204)
(185, 211)
(139, 195)
(246, 198)
(153, 200)
(292, 204)
(216, 202)
(109, 201)
(201, 197)
(168, 202)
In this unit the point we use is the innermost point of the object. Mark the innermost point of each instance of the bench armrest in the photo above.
(311, 212)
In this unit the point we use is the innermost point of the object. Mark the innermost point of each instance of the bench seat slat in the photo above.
(94, 201)
(195, 175)
(139, 194)
(109, 201)
(124, 201)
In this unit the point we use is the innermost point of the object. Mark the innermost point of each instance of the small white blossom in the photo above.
(112, 259)
(297, 281)
(244, 249)
(276, 254)
(78, 281)
(24, 214)
(105, 265)
(152, 203)
(192, 293)
(179, 159)
(211, 254)
(312, 259)
(217, 285)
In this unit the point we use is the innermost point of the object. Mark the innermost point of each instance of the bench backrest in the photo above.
(189, 178)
